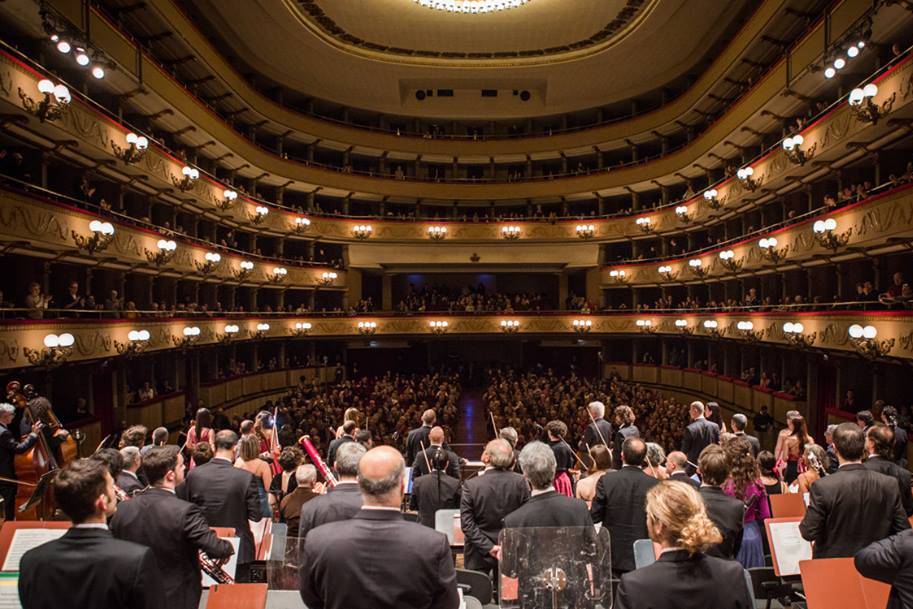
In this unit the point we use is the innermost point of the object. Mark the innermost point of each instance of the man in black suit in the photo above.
(899, 454)
(853, 507)
(175, 529)
(676, 466)
(509, 435)
(739, 422)
(419, 436)
(10, 446)
(699, 434)
(127, 479)
(228, 495)
(486, 500)
(437, 491)
(435, 443)
(599, 431)
(341, 502)
(890, 561)
(411, 567)
(879, 445)
(727, 513)
(349, 429)
(619, 504)
(87, 567)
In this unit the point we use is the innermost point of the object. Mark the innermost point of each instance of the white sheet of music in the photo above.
(26, 539)
(9, 591)
(230, 567)
(789, 546)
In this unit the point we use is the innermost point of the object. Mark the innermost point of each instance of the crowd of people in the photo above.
(470, 300)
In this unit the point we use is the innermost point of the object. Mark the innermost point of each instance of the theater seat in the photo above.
(644, 556)
(478, 583)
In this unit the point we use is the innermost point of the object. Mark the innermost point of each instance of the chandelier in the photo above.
(471, 6)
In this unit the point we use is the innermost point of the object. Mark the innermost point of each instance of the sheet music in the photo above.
(230, 567)
(26, 539)
(9, 591)
(789, 547)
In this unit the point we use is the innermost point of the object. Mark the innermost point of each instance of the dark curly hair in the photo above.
(743, 467)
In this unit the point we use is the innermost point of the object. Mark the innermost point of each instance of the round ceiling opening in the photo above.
(472, 7)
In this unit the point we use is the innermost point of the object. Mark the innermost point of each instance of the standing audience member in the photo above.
(745, 485)
(792, 448)
(291, 504)
(816, 463)
(412, 567)
(889, 417)
(485, 501)
(228, 496)
(890, 561)
(683, 576)
(87, 567)
(619, 504)
(699, 434)
(855, 506)
(201, 430)
(342, 501)
(726, 512)
(127, 479)
(175, 529)
(437, 491)
(879, 446)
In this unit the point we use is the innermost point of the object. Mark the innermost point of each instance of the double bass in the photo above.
(53, 449)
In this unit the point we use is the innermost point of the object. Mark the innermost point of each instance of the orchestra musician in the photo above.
(9, 448)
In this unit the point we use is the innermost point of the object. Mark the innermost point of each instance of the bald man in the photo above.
(426, 457)
(486, 500)
(343, 566)
(677, 468)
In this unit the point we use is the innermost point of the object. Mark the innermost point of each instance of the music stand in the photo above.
(39, 491)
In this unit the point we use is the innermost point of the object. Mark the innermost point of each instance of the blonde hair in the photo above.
(250, 448)
(679, 508)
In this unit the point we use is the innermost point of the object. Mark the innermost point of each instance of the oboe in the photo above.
(305, 442)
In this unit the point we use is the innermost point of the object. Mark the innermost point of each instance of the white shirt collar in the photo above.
(129, 473)
(534, 492)
(338, 482)
(165, 488)
(672, 549)
(380, 508)
(91, 525)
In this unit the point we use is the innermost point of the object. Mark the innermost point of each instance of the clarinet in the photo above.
(305, 442)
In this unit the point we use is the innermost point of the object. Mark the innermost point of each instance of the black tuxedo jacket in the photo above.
(334, 446)
(679, 581)
(728, 514)
(592, 437)
(412, 567)
(9, 448)
(890, 561)
(683, 477)
(849, 510)
(414, 442)
(486, 500)
(619, 505)
(699, 434)
(551, 509)
(175, 530)
(90, 569)
(340, 503)
(129, 484)
(229, 497)
(889, 468)
(753, 441)
(622, 434)
(420, 466)
(432, 493)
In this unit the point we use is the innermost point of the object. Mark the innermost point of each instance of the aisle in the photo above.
(472, 430)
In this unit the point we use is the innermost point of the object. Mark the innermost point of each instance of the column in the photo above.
(387, 292)
(562, 290)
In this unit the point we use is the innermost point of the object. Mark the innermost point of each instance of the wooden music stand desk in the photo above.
(237, 596)
(11, 526)
(835, 582)
(787, 505)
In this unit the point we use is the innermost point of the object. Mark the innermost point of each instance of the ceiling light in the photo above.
(471, 7)
(852, 52)
(82, 59)
(98, 72)
(840, 63)
(829, 72)
(63, 46)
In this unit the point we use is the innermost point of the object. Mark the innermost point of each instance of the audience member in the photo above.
(745, 485)
(699, 434)
(739, 423)
(879, 447)
(127, 479)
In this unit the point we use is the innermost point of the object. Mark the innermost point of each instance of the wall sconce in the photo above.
(137, 342)
(682, 326)
(645, 326)
(865, 342)
(54, 104)
(301, 224)
(101, 238)
(665, 271)
(326, 278)
(231, 330)
(367, 328)
(644, 224)
(511, 233)
(278, 275)
(586, 231)
(212, 260)
(712, 327)
(301, 328)
(712, 199)
(864, 109)
(826, 237)
(438, 327)
(189, 335)
(793, 151)
(794, 334)
(727, 259)
(135, 150)
(769, 250)
(229, 197)
(261, 331)
(245, 268)
(363, 231)
(260, 213)
(510, 326)
(437, 233)
(696, 266)
(189, 176)
(619, 276)
(582, 326)
(682, 213)
(57, 349)
(746, 328)
(165, 253)
(745, 176)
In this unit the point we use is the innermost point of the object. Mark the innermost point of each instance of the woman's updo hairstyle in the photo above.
(679, 508)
